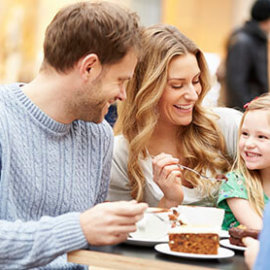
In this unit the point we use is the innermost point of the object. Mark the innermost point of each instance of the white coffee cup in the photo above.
(151, 227)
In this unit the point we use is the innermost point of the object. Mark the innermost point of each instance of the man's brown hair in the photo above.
(103, 28)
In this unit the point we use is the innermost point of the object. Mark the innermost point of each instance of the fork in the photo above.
(196, 172)
(156, 214)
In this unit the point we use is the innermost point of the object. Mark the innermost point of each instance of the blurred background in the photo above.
(207, 22)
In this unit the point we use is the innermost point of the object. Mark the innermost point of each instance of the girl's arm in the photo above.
(244, 213)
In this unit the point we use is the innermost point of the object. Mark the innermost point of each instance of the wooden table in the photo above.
(124, 256)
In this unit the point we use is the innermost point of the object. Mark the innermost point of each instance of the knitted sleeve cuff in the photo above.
(68, 232)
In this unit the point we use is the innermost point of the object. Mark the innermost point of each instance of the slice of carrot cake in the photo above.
(199, 240)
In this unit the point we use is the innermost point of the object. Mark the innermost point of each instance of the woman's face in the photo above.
(181, 92)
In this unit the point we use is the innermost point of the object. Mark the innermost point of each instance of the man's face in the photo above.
(92, 102)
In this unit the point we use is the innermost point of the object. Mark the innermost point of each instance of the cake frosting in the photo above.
(194, 229)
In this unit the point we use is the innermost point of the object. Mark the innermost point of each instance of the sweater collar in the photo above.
(37, 114)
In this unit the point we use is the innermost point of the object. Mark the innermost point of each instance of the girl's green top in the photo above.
(233, 188)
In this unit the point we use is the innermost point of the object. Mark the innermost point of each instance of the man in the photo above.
(246, 63)
(56, 149)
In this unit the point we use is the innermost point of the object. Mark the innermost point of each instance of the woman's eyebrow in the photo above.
(175, 78)
(182, 79)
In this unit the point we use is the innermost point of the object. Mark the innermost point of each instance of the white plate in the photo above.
(151, 230)
(226, 243)
(222, 253)
(150, 242)
(146, 242)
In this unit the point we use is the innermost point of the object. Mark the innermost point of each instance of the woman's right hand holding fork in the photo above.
(168, 176)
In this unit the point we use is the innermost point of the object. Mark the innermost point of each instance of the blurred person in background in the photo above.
(245, 72)
(55, 148)
(163, 123)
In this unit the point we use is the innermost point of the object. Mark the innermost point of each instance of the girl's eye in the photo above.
(244, 133)
(262, 137)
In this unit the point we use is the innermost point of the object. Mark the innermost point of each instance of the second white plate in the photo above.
(226, 243)
(222, 253)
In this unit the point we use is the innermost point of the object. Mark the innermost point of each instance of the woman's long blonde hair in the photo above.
(201, 143)
(253, 180)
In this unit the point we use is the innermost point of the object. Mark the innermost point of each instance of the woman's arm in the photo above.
(244, 213)
(106, 151)
(119, 188)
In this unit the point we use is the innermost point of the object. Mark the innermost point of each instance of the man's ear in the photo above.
(90, 67)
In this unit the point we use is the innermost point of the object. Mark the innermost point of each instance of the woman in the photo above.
(163, 113)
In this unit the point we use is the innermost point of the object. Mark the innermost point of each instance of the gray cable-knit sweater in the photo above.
(50, 172)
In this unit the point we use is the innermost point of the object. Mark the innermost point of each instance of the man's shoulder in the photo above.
(6, 91)
(4, 96)
(3, 89)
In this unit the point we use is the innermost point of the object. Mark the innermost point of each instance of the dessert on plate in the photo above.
(198, 240)
(195, 229)
(238, 233)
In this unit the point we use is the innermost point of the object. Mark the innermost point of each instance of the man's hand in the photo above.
(251, 251)
(110, 223)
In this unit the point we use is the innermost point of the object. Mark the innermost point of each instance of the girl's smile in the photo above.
(254, 143)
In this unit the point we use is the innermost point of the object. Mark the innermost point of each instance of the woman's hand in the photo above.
(167, 175)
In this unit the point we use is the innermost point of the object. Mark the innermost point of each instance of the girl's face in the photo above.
(181, 92)
(254, 142)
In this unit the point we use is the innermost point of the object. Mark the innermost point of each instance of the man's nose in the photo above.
(122, 93)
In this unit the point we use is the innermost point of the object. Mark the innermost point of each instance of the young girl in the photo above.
(247, 190)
